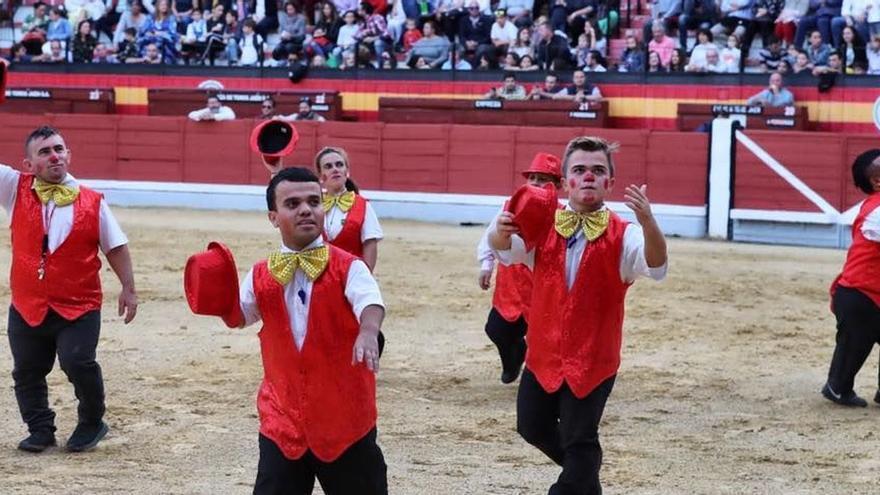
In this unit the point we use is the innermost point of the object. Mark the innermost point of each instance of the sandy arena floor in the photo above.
(718, 392)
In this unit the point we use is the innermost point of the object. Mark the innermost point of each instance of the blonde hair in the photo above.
(589, 143)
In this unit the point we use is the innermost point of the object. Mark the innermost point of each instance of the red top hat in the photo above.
(274, 138)
(533, 211)
(210, 282)
(545, 163)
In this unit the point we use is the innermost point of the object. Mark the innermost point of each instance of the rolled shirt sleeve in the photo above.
(632, 262)
(371, 228)
(110, 235)
(248, 300)
(361, 289)
(871, 226)
(517, 254)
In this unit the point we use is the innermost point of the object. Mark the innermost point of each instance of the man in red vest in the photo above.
(583, 261)
(57, 227)
(855, 293)
(317, 402)
(507, 323)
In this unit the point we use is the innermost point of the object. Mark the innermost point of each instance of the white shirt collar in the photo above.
(318, 242)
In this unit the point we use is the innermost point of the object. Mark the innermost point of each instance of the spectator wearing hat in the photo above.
(503, 33)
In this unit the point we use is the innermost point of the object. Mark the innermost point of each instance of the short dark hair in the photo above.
(863, 169)
(212, 95)
(292, 174)
(508, 75)
(249, 23)
(367, 8)
(589, 144)
(42, 132)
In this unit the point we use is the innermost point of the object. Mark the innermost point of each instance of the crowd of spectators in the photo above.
(818, 36)
(514, 35)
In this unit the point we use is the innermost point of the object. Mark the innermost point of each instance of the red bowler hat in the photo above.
(210, 282)
(545, 163)
(533, 209)
(274, 138)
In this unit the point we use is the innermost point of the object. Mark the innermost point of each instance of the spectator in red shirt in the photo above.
(411, 35)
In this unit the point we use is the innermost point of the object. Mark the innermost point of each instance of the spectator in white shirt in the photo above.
(503, 32)
(214, 111)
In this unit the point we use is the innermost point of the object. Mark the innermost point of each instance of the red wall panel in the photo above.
(820, 160)
(421, 158)
(817, 159)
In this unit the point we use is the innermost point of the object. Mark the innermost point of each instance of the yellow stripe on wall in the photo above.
(633, 107)
(131, 95)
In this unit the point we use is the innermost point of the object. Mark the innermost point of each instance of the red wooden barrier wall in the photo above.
(393, 157)
(820, 160)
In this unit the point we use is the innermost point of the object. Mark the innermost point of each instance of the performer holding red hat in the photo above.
(855, 294)
(58, 226)
(321, 310)
(582, 266)
(508, 319)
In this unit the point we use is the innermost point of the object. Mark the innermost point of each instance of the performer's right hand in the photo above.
(504, 225)
(272, 163)
(485, 279)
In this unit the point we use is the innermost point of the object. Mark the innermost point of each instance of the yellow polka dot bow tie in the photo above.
(594, 223)
(61, 194)
(344, 201)
(312, 262)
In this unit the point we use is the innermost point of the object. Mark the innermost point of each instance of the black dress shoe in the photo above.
(86, 436)
(38, 441)
(512, 369)
(849, 399)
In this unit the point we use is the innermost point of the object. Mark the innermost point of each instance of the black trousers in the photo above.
(509, 338)
(360, 470)
(566, 429)
(858, 329)
(33, 356)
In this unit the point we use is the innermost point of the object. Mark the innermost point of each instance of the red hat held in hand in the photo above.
(274, 138)
(210, 282)
(533, 211)
(545, 163)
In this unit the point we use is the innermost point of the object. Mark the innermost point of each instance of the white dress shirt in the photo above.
(632, 261)
(361, 290)
(60, 218)
(334, 220)
(485, 254)
(223, 113)
(871, 226)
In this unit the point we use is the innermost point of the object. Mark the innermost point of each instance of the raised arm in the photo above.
(655, 242)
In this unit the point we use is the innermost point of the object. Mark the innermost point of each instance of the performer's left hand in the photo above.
(485, 279)
(637, 201)
(128, 303)
(366, 350)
